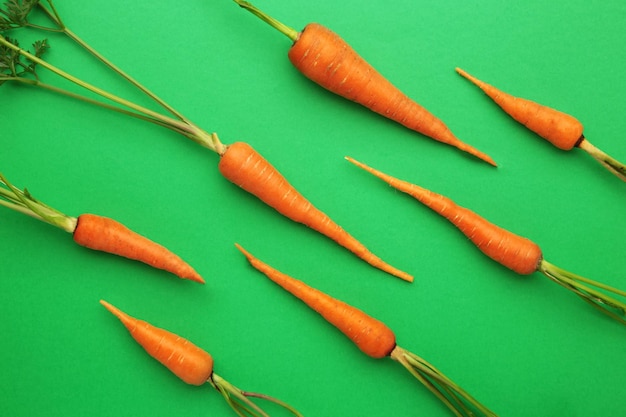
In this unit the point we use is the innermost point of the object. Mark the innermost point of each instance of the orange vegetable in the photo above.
(243, 166)
(107, 235)
(99, 233)
(513, 251)
(562, 130)
(188, 362)
(373, 338)
(325, 58)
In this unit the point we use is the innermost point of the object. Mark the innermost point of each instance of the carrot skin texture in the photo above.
(509, 249)
(107, 235)
(246, 168)
(373, 337)
(186, 360)
(325, 58)
(562, 130)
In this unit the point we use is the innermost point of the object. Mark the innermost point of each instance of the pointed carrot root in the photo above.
(186, 360)
(373, 337)
(325, 58)
(107, 235)
(245, 167)
(190, 363)
(513, 251)
(560, 129)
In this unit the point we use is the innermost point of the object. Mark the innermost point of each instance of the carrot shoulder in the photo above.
(513, 251)
(245, 167)
(328, 60)
(107, 235)
(373, 338)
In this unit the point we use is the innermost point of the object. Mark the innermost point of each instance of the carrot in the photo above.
(325, 58)
(243, 166)
(560, 129)
(190, 363)
(515, 252)
(239, 163)
(373, 338)
(99, 233)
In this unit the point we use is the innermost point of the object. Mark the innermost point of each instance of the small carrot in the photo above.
(515, 252)
(98, 233)
(560, 129)
(325, 58)
(190, 363)
(373, 338)
(243, 166)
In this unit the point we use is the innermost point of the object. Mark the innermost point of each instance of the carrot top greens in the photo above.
(24, 202)
(19, 65)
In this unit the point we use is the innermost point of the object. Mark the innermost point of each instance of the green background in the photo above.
(521, 345)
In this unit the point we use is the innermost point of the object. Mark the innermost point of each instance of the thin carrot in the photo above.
(239, 162)
(99, 233)
(325, 58)
(511, 250)
(190, 363)
(373, 338)
(561, 129)
(243, 166)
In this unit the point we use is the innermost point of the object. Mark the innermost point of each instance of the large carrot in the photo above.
(325, 58)
(98, 233)
(560, 129)
(373, 338)
(242, 165)
(239, 163)
(509, 249)
(190, 363)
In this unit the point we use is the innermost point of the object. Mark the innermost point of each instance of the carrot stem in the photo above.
(288, 31)
(586, 289)
(615, 167)
(191, 130)
(453, 396)
(240, 403)
(24, 202)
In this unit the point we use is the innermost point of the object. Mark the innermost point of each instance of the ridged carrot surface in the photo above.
(107, 235)
(186, 360)
(245, 167)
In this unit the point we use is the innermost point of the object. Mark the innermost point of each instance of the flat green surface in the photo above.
(521, 345)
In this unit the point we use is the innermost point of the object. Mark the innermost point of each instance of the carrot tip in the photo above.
(123, 317)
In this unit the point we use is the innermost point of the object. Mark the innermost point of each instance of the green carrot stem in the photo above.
(23, 202)
(239, 401)
(588, 290)
(610, 163)
(453, 396)
(290, 32)
(192, 131)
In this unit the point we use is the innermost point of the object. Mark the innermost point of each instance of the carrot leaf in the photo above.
(14, 13)
(290, 32)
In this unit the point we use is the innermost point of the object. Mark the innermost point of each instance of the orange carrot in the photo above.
(372, 337)
(188, 362)
(325, 58)
(513, 251)
(99, 233)
(562, 130)
(243, 166)
(107, 235)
